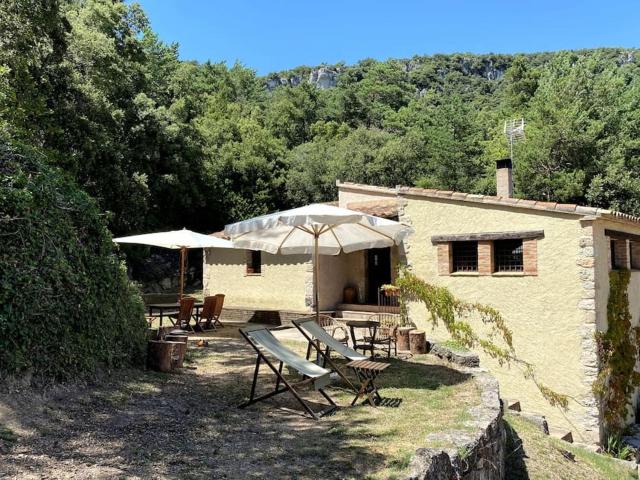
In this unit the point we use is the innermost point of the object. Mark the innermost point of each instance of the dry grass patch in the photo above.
(137, 424)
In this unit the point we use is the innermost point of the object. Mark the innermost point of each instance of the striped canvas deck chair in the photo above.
(317, 336)
(263, 342)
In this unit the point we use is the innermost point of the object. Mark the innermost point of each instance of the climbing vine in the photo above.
(618, 353)
(444, 307)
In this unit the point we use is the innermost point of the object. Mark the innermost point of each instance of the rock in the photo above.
(465, 359)
(323, 78)
(431, 464)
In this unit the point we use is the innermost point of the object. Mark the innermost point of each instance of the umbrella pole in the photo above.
(182, 252)
(315, 275)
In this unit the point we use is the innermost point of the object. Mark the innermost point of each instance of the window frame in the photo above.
(461, 244)
(254, 257)
(632, 256)
(499, 266)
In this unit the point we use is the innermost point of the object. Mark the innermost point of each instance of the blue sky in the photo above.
(277, 35)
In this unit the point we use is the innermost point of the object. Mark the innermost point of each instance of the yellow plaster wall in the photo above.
(601, 245)
(332, 276)
(280, 286)
(542, 311)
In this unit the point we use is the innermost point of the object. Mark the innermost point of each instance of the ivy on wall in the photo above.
(66, 306)
(444, 307)
(618, 354)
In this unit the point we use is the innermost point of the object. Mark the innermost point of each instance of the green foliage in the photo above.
(66, 306)
(454, 313)
(163, 143)
(618, 353)
(615, 447)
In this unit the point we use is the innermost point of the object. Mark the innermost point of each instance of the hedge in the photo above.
(66, 306)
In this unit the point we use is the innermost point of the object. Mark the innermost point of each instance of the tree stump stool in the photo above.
(418, 342)
(403, 338)
(160, 355)
(180, 350)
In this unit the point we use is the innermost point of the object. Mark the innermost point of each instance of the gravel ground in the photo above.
(137, 424)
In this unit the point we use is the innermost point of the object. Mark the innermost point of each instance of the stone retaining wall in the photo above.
(476, 453)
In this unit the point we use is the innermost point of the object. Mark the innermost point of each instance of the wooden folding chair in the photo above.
(262, 340)
(316, 335)
(207, 313)
(182, 319)
(218, 310)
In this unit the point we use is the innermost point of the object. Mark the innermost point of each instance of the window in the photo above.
(254, 262)
(619, 253)
(464, 256)
(634, 253)
(508, 256)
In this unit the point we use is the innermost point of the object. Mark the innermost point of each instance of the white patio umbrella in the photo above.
(177, 239)
(316, 229)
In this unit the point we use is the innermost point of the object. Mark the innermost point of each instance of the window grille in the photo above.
(465, 256)
(508, 256)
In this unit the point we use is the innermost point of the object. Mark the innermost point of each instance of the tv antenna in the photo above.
(514, 131)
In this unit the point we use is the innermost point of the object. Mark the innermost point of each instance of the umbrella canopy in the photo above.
(336, 230)
(177, 239)
(317, 229)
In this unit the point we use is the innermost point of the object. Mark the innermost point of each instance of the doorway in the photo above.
(378, 272)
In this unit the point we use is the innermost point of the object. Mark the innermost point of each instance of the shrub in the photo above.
(66, 306)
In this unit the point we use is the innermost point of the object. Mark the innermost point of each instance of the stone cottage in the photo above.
(544, 265)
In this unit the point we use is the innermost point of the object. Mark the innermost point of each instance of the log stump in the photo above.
(403, 338)
(418, 342)
(180, 350)
(160, 355)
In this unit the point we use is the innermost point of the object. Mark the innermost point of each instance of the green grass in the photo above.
(432, 398)
(7, 436)
(454, 346)
(533, 455)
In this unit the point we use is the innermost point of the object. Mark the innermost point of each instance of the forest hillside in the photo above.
(163, 143)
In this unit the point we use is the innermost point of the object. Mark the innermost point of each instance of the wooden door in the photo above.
(378, 272)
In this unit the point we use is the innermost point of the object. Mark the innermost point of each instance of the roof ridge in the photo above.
(571, 208)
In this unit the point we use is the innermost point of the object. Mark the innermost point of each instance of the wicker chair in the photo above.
(386, 334)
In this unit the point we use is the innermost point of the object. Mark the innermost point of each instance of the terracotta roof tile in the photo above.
(379, 208)
(566, 207)
(219, 234)
(507, 201)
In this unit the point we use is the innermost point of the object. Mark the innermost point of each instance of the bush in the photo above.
(66, 306)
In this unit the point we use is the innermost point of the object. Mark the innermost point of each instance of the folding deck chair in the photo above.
(262, 340)
(217, 311)
(316, 335)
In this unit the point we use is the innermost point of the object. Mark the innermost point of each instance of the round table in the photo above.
(370, 325)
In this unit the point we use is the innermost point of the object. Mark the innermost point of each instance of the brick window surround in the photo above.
(486, 257)
(624, 250)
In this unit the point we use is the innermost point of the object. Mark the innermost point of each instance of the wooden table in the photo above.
(171, 308)
(367, 371)
(370, 325)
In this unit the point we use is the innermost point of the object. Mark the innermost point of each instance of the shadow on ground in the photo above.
(515, 455)
(187, 425)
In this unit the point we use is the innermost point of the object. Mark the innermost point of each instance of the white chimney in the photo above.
(504, 178)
